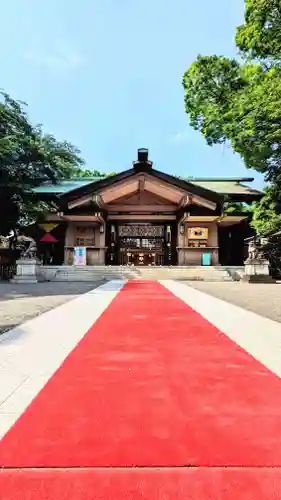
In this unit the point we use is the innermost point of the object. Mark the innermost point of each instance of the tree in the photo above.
(209, 85)
(86, 172)
(260, 35)
(231, 207)
(28, 158)
(239, 103)
(266, 214)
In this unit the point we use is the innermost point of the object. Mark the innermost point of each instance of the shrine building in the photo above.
(145, 217)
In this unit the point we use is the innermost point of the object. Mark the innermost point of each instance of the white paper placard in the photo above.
(79, 256)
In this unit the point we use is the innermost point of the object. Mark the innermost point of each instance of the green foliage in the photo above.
(86, 172)
(260, 35)
(239, 208)
(239, 102)
(28, 157)
(111, 174)
(209, 84)
(266, 220)
(34, 210)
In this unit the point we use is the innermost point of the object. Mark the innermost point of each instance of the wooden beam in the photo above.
(164, 191)
(186, 200)
(141, 184)
(122, 189)
(141, 217)
(230, 220)
(97, 199)
(204, 219)
(85, 200)
(182, 219)
(142, 208)
(96, 217)
(203, 202)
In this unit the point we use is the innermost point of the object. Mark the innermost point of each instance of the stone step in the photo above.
(97, 277)
(96, 273)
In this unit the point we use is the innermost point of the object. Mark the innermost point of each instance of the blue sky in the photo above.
(106, 75)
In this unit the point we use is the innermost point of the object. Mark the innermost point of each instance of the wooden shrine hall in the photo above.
(144, 217)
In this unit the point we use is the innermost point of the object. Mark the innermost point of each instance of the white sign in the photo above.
(80, 256)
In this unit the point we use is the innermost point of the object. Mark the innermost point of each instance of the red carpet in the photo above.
(140, 484)
(151, 384)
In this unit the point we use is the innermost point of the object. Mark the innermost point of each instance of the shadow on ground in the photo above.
(10, 291)
(5, 328)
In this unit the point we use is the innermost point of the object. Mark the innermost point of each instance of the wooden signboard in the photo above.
(145, 231)
(198, 233)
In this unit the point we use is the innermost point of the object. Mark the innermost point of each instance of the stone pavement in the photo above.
(19, 303)
(263, 299)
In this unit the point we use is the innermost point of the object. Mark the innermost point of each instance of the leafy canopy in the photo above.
(266, 219)
(260, 35)
(28, 157)
(239, 102)
(86, 172)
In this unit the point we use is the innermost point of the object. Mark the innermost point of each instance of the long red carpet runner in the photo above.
(153, 403)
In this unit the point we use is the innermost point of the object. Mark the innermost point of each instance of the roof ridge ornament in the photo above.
(143, 164)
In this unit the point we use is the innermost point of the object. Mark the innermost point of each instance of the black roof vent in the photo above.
(143, 164)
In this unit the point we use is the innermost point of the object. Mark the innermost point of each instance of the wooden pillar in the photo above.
(69, 243)
(181, 228)
(102, 230)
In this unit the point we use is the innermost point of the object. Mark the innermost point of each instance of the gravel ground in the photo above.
(263, 299)
(19, 303)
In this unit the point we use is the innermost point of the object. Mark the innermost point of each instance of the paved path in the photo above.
(160, 399)
(31, 352)
(19, 303)
(263, 299)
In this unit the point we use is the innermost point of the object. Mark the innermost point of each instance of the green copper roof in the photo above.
(64, 187)
(221, 186)
(225, 186)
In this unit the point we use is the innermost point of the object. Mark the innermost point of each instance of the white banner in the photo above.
(80, 256)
